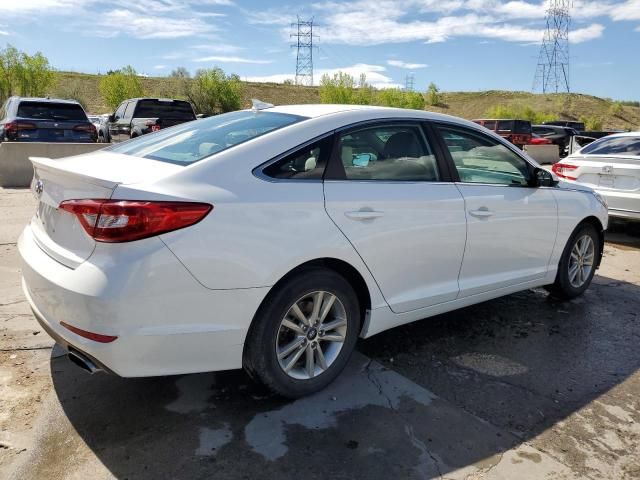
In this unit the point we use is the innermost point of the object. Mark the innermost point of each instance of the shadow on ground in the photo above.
(516, 366)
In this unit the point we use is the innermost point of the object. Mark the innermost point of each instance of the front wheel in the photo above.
(304, 333)
(578, 263)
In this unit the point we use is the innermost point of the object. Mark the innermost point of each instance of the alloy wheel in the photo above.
(581, 261)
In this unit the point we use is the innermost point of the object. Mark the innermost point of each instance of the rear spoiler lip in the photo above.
(56, 166)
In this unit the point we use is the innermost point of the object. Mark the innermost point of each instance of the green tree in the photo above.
(24, 74)
(339, 88)
(592, 123)
(120, 85)
(212, 91)
(519, 112)
(180, 72)
(616, 109)
(433, 95)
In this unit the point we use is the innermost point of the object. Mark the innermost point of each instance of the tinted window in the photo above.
(514, 126)
(490, 124)
(164, 109)
(305, 163)
(128, 111)
(120, 111)
(390, 153)
(614, 146)
(193, 141)
(51, 111)
(481, 159)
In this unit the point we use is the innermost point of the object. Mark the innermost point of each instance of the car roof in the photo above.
(319, 110)
(622, 134)
(45, 100)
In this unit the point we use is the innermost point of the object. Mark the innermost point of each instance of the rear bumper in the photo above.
(165, 321)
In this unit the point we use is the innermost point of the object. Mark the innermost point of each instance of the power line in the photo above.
(304, 51)
(552, 71)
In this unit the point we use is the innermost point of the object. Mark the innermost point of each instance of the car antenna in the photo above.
(257, 105)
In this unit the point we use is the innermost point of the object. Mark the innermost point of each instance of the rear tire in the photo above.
(304, 333)
(578, 263)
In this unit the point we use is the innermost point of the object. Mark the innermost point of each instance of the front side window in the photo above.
(388, 153)
(614, 146)
(128, 111)
(120, 111)
(307, 163)
(189, 142)
(481, 159)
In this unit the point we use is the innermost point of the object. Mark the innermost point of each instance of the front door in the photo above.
(511, 225)
(391, 200)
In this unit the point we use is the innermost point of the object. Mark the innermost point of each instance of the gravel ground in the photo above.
(519, 387)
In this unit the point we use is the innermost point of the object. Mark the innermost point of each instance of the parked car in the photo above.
(101, 122)
(272, 238)
(578, 126)
(139, 116)
(45, 120)
(560, 136)
(611, 166)
(517, 132)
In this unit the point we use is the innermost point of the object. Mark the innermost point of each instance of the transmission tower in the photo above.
(552, 72)
(304, 51)
(409, 81)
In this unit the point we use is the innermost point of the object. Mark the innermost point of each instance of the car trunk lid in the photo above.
(89, 176)
(609, 172)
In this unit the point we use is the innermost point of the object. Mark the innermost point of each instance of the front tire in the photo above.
(304, 333)
(578, 263)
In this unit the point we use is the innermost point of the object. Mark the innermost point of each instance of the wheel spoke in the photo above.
(292, 326)
(327, 327)
(575, 255)
(310, 364)
(321, 359)
(317, 303)
(290, 347)
(573, 271)
(294, 359)
(295, 310)
(327, 307)
(334, 337)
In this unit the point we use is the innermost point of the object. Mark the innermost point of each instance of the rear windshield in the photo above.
(51, 111)
(514, 126)
(164, 109)
(189, 142)
(614, 146)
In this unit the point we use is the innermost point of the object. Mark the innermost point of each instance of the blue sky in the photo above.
(458, 44)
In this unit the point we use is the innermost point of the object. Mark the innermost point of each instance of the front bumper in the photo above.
(166, 322)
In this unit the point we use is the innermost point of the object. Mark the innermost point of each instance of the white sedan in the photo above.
(272, 238)
(611, 166)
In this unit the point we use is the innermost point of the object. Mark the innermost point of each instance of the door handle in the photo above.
(482, 212)
(363, 214)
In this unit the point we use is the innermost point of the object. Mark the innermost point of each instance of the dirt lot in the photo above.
(520, 387)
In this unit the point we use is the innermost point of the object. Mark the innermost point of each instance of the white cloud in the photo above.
(2, 32)
(225, 59)
(160, 67)
(217, 48)
(122, 21)
(587, 33)
(629, 10)
(408, 66)
(277, 78)
(270, 17)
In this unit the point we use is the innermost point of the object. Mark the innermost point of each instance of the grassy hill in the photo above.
(463, 104)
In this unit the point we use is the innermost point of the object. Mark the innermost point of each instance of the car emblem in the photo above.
(39, 188)
(607, 169)
(56, 124)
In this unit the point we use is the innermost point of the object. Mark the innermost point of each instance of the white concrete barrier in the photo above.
(15, 167)
(543, 153)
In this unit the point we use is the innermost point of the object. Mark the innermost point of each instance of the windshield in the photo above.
(626, 145)
(189, 142)
(165, 109)
(51, 111)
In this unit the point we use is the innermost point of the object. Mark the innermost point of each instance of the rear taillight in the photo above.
(11, 129)
(540, 141)
(89, 128)
(154, 125)
(96, 337)
(562, 170)
(124, 221)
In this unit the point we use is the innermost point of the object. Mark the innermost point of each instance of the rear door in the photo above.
(511, 226)
(115, 127)
(389, 196)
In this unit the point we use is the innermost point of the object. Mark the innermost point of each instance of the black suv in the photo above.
(45, 120)
(138, 116)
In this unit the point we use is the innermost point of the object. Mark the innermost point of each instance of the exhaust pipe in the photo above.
(83, 362)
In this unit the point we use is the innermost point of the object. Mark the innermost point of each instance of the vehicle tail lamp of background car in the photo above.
(116, 221)
(11, 129)
(540, 141)
(89, 128)
(563, 170)
(154, 125)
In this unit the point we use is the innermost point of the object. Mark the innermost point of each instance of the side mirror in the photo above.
(544, 178)
(112, 118)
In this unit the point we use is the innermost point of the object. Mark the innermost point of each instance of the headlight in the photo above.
(601, 199)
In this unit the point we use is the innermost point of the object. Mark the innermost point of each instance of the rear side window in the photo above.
(189, 142)
(165, 108)
(51, 111)
(614, 146)
(307, 163)
(387, 153)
